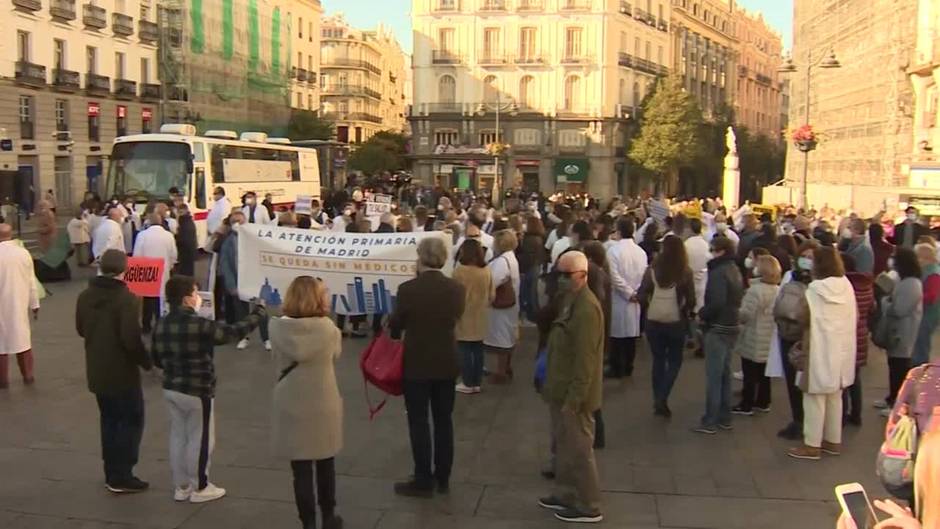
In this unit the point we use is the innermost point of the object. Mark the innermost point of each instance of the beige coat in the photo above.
(757, 321)
(307, 418)
(479, 293)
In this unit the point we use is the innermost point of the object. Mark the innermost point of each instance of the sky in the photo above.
(365, 14)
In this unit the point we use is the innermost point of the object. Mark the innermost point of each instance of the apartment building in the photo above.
(704, 49)
(924, 73)
(757, 94)
(362, 81)
(532, 94)
(74, 75)
(305, 16)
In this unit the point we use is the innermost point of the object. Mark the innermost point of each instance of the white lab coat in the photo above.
(157, 243)
(108, 236)
(217, 214)
(627, 265)
(20, 296)
(79, 232)
(560, 246)
(697, 250)
(503, 328)
(262, 215)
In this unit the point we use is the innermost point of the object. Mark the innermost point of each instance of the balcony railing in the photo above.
(94, 16)
(375, 94)
(446, 7)
(30, 73)
(122, 24)
(66, 80)
(491, 58)
(577, 58)
(636, 63)
(493, 5)
(177, 93)
(530, 59)
(301, 75)
(27, 5)
(445, 57)
(626, 9)
(764, 79)
(352, 116)
(662, 25)
(342, 62)
(148, 31)
(644, 17)
(97, 84)
(63, 10)
(529, 6)
(125, 89)
(149, 92)
(445, 108)
(742, 71)
(575, 5)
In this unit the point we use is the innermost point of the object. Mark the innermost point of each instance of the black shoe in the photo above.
(854, 420)
(128, 486)
(548, 474)
(333, 522)
(699, 353)
(792, 432)
(599, 444)
(412, 489)
(552, 503)
(573, 515)
(443, 487)
(662, 410)
(741, 410)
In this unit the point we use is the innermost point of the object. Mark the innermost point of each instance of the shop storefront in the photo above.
(571, 174)
(528, 175)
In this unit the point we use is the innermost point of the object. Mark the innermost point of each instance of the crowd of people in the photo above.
(790, 294)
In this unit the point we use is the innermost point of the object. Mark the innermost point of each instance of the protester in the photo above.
(599, 283)
(757, 325)
(184, 347)
(427, 310)
(857, 245)
(882, 250)
(904, 310)
(479, 290)
(268, 202)
(503, 330)
(156, 243)
(20, 296)
(219, 211)
(668, 295)
(907, 232)
(531, 259)
(930, 278)
(307, 425)
(573, 392)
(80, 238)
(627, 263)
(826, 356)
(50, 200)
(256, 213)
(236, 309)
(650, 242)
(46, 225)
(862, 286)
(108, 234)
(186, 243)
(106, 318)
(719, 316)
(696, 248)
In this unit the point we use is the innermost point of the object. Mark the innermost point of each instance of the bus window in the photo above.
(294, 158)
(200, 188)
(199, 152)
(219, 154)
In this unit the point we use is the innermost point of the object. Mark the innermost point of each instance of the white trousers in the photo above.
(192, 438)
(822, 418)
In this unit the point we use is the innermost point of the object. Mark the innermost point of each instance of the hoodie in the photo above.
(862, 285)
(833, 316)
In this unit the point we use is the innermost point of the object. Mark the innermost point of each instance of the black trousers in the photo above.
(622, 356)
(897, 370)
(306, 497)
(600, 437)
(756, 390)
(122, 427)
(151, 308)
(220, 296)
(438, 395)
(852, 399)
(793, 393)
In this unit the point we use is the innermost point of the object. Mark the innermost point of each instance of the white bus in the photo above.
(146, 166)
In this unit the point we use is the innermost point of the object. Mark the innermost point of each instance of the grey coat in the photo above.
(307, 416)
(905, 307)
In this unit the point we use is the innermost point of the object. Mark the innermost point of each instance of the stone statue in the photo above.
(731, 140)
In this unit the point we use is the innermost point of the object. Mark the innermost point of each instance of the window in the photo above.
(61, 115)
(310, 63)
(94, 133)
(573, 43)
(91, 59)
(490, 88)
(446, 89)
(448, 4)
(58, 46)
(487, 137)
(636, 46)
(300, 60)
(22, 46)
(622, 92)
(573, 93)
(310, 101)
(121, 121)
(145, 121)
(144, 70)
(527, 92)
(659, 56)
(623, 41)
(636, 94)
(27, 131)
(527, 137)
(445, 137)
(119, 65)
(527, 43)
(300, 100)
(490, 43)
(144, 12)
(120, 6)
(649, 53)
(445, 39)
(300, 27)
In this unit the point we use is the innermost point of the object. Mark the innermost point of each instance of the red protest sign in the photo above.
(144, 276)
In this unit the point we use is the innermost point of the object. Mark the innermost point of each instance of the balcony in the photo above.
(30, 74)
(125, 89)
(662, 25)
(492, 58)
(62, 10)
(576, 59)
(642, 65)
(301, 75)
(446, 6)
(371, 93)
(742, 71)
(343, 62)
(66, 80)
(575, 5)
(148, 31)
(122, 24)
(177, 93)
(489, 6)
(644, 17)
(150, 92)
(626, 9)
(529, 6)
(97, 84)
(531, 60)
(352, 116)
(764, 80)
(27, 5)
(445, 108)
(445, 57)
(94, 17)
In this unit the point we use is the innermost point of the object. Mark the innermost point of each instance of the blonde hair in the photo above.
(926, 251)
(305, 298)
(769, 269)
(505, 241)
(927, 480)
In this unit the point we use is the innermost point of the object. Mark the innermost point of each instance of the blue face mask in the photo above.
(805, 263)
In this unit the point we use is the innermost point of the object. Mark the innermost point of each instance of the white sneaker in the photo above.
(210, 493)
(182, 494)
(243, 344)
(738, 375)
(881, 404)
(886, 412)
(267, 345)
(476, 389)
(461, 388)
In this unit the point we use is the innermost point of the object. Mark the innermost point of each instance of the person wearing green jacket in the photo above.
(574, 374)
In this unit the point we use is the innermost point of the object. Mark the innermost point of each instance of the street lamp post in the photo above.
(827, 62)
(498, 107)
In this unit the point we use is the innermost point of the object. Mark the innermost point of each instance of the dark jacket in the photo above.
(107, 316)
(385, 228)
(531, 252)
(575, 367)
(427, 309)
(882, 250)
(186, 245)
(901, 229)
(723, 295)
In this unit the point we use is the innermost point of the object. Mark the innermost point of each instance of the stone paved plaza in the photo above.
(654, 473)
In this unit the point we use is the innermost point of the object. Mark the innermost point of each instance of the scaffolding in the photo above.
(225, 64)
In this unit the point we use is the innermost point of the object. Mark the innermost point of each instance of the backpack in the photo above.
(382, 366)
(790, 304)
(885, 334)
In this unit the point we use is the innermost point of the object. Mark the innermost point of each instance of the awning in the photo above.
(571, 170)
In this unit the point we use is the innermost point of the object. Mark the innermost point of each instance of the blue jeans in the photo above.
(122, 428)
(529, 294)
(922, 345)
(718, 378)
(666, 343)
(471, 362)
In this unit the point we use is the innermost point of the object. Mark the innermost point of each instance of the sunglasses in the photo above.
(572, 273)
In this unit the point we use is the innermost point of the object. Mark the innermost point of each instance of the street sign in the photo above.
(6, 145)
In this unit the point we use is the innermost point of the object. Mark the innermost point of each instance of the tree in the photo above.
(669, 134)
(306, 125)
(384, 151)
(762, 162)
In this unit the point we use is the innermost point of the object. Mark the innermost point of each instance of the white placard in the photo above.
(303, 205)
(376, 209)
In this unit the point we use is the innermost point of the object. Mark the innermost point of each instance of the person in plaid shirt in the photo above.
(183, 346)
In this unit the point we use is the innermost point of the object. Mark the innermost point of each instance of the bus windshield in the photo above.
(149, 169)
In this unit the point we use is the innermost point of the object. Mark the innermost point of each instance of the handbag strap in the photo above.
(373, 410)
(286, 371)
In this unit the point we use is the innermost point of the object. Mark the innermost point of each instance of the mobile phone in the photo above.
(855, 505)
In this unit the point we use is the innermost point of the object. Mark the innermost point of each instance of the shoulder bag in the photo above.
(505, 293)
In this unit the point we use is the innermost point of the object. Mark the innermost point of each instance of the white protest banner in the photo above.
(376, 209)
(303, 205)
(362, 270)
(658, 210)
(382, 199)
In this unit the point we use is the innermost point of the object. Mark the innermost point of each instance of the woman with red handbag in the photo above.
(503, 332)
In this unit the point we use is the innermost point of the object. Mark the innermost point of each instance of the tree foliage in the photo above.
(306, 125)
(762, 162)
(670, 132)
(384, 151)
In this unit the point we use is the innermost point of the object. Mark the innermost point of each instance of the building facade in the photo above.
(757, 94)
(924, 72)
(864, 109)
(704, 49)
(74, 76)
(532, 94)
(362, 83)
(305, 16)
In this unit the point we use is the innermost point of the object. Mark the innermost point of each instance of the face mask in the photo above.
(891, 263)
(846, 233)
(721, 226)
(805, 263)
(250, 201)
(755, 272)
(912, 217)
(198, 301)
(788, 228)
(748, 263)
(347, 212)
(217, 197)
(565, 284)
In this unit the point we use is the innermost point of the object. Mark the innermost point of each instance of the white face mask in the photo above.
(805, 263)
(748, 263)
(250, 201)
(912, 217)
(846, 233)
(721, 226)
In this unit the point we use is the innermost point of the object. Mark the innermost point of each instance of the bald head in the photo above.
(573, 262)
(116, 215)
(6, 232)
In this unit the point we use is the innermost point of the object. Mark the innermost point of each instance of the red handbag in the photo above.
(382, 366)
